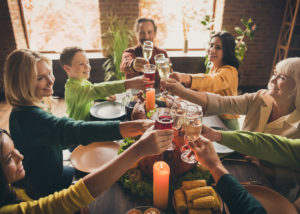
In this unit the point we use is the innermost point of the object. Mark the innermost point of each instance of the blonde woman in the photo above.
(40, 136)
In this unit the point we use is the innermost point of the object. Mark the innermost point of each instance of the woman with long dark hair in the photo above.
(223, 75)
(80, 195)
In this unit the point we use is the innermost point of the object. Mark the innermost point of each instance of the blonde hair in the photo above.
(20, 78)
(291, 68)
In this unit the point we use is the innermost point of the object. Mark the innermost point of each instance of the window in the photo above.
(177, 21)
(54, 24)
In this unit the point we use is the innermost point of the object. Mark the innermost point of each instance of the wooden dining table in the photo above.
(115, 200)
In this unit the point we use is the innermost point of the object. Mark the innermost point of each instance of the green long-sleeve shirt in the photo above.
(41, 137)
(283, 154)
(80, 95)
(273, 148)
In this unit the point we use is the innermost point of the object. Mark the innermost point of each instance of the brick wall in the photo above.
(124, 9)
(11, 33)
(258, 60)
(256, 66)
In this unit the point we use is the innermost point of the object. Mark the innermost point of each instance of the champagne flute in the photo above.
(164, 120)
(192, 128)
(163, 66)
(178, 111)
(157, 58)
(147, 49)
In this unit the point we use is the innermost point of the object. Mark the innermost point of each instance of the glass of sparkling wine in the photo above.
(164, 120)
(178, 111)
(192, 128)
(149, 72)
(147, 49)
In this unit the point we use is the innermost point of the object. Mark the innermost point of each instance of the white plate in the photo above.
(90, 157)
(221, 149)
(107, 110)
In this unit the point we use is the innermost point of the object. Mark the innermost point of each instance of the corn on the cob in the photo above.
(218, 206)
(192, 194)
(193, 184)
(205, 202)
(180, 201)
(200, 211)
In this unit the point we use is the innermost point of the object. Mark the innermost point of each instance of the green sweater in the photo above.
(283, 154)
(80, 95)
(41, 137)
(273, 148)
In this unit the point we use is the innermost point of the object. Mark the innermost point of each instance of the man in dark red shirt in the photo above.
(132, 60)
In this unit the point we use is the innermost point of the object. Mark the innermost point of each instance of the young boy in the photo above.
(81, 93)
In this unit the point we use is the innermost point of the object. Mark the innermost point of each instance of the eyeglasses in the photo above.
(5, 132)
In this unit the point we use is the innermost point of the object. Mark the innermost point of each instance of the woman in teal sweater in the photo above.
(15, 200)
(40, 136)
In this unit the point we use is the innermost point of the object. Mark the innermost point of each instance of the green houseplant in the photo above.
(240, 48)
(118, 37)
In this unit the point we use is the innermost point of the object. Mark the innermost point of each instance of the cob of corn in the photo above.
(192, 194)
(200, 211)
(205, 202)
(180, 201)
(193, 184)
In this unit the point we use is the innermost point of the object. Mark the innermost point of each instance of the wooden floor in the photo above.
(58, 109)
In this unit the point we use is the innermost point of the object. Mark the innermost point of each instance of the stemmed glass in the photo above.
(147, 49)
(178, 111)
(164, 120)
(192, 127)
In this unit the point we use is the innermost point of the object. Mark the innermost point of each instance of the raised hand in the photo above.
(173, 86)
(155, 141)
(138, 64)
(139, 82)
(205, 152)
(182, 78)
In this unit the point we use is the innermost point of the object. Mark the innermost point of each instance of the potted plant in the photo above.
(118, 37)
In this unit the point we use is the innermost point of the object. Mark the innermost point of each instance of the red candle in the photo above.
(161, 174)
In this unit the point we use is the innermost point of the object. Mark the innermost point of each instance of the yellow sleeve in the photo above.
(224, 78)
(65, 201)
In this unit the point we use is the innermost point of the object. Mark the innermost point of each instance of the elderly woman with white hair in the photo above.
(275, 110)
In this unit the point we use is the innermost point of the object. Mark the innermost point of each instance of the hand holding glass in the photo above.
(149, 72)
(164, 120)
(192, 128)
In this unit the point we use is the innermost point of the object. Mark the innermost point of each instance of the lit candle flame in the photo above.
(161, 166)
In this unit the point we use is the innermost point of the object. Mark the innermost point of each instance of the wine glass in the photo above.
(178, 111)
(164, 120)
(192, 127)
(147, 49)
(149, 72)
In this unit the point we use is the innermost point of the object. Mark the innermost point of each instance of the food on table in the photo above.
(152, 210)
(180, 201)
(192, 194)
(205, 202)
(193, 184)
(200, 211)
(135, 174)
(138, 111)
(134, 211)
(202, 199)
